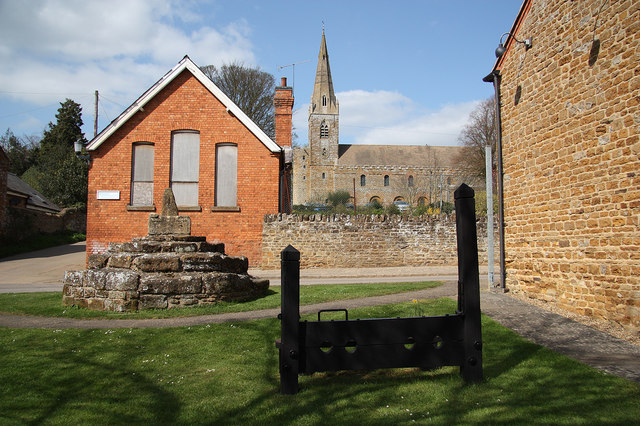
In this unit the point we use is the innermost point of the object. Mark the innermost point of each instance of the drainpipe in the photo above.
(494, 77)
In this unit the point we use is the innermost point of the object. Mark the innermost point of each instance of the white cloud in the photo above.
(390, 118)
(53, 47)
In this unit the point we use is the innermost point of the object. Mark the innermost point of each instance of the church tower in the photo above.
(323, 129)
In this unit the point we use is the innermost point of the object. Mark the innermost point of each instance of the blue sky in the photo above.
(405, 72)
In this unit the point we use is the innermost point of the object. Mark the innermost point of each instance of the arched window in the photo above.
(323, 176)
(363, 180)
(324, 100)
(386, 180)
(375, 199)
(324, 130)
(422, 201)
(410, 180)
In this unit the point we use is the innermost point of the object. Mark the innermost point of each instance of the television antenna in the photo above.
(293, 66)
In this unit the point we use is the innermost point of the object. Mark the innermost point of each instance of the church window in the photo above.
(363, 180)
(142, 174)
(324, 130)
(324, 100)
(185, 166)
(226, 175)
(324, 152)
(410, 181)
(386, 180)
(323, 176)
(422, 201)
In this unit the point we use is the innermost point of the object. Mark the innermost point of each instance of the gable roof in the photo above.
(35, 200)
(399, 155)
(185, 64)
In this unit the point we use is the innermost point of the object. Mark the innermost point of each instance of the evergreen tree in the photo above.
(61, 176)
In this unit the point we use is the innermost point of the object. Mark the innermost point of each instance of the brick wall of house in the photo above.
(570, 125)
(184, 104)
(335, 241)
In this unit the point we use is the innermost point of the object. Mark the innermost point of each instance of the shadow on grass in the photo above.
(523, 383)
(79, 384)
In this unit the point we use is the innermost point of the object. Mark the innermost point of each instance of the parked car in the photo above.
(402, 205)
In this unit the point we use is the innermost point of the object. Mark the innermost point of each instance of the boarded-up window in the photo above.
(185, 167)
(226, 175)
(142, 175)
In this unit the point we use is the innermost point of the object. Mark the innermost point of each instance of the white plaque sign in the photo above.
(108, 195)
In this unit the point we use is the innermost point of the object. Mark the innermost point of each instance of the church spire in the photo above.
(323, 99)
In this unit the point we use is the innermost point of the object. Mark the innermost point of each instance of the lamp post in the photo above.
(81, 151)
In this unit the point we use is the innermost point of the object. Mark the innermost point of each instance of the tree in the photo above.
(338, 198)
(479, 131)
(60, 175)
(22, 155)
(251, 89)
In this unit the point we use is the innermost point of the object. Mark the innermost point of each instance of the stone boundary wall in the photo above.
(334, 241)
(24, 223)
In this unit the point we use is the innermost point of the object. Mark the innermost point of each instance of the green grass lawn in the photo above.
(50, 303)
(228, 374)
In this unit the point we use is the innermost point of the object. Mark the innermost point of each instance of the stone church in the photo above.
(419, 175)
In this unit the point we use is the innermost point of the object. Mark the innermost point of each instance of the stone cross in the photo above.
(169, 206)
(169, 223)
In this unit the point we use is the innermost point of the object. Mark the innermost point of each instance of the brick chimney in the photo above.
(283, 102)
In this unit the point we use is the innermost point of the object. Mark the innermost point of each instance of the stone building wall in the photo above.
(429, 184)
(570, 127)
(334, 241)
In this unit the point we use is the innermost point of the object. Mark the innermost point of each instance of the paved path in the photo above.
(41, 270)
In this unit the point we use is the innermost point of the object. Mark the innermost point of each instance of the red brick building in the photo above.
(184, 133)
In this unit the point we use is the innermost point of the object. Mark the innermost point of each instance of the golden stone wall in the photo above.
(570, 126)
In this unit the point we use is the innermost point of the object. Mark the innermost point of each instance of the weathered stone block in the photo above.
(121, 247)
(188, 300)
(121, 260)
(97, 261)
(121, 280)
(202, 262)
(94, 304)
(158, 284)
(237, 265)
(210, 281)
(68, 300)
(96, 278)
(180, 247)
(189, 284)
(119, 305)
(211, 247)
(157, 263)
(74, 278)
(165, 225)
(152, 301)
